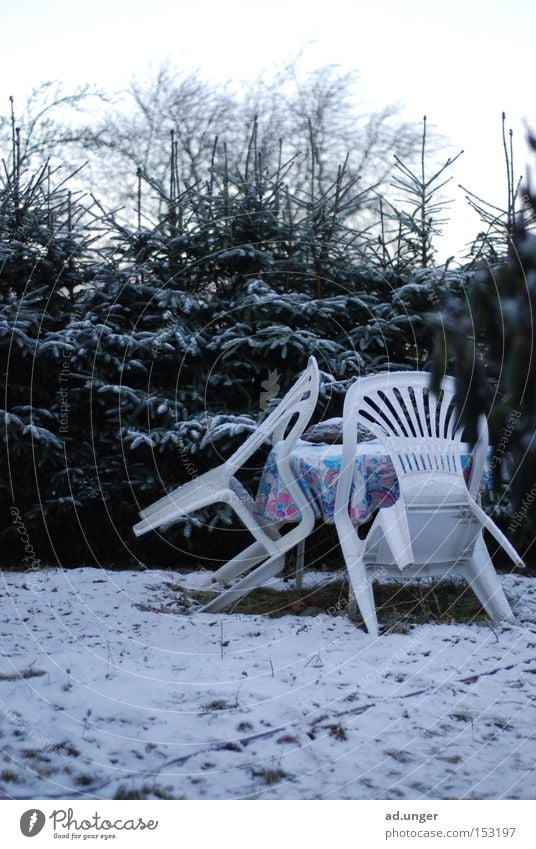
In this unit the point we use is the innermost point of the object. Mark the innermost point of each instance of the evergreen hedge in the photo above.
(137, 357)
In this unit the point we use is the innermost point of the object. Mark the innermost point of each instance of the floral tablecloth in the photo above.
(317, 469)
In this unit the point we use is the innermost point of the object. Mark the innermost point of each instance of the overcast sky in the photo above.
(460, 62)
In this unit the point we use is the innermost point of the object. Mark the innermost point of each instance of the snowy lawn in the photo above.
(110, 685)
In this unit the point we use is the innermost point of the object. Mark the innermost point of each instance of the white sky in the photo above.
(461, 62)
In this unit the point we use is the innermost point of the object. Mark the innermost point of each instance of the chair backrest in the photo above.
(287, 422)
(420, 431)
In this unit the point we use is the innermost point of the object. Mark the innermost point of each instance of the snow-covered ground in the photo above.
(107, 682)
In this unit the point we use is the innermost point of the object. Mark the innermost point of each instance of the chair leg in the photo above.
(247, 559)
(361, 589)
(272, 567)
(486, 585)
(490, 526)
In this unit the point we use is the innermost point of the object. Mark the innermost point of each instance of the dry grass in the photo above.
(26, 673)
(399, 605)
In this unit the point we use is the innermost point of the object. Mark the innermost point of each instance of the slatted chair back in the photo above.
(420, 431)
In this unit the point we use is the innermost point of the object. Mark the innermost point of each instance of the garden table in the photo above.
(317, 467)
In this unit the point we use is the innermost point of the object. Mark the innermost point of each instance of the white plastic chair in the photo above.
(285, 424)
(435, 527)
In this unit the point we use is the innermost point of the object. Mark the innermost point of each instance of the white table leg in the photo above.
(300, 559)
